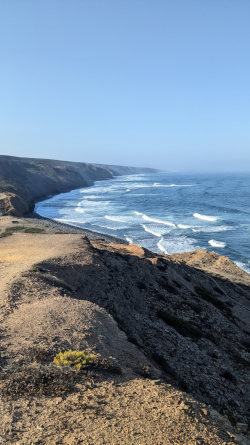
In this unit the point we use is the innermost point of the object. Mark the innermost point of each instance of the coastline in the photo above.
(70, 228)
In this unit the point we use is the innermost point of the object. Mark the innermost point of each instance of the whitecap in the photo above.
(242, 266)
(161, 247)
(157, 184)
(212, 229)
(215, 243)
(114, 218)
(205, 217)
(79, 209)
(176, 244)
(183, 226)
(129, 240)
(148, 229)
(157, 221)
(104, 227)
(67, 221)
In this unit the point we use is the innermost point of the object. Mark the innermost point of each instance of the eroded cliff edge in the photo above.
(174, 340)
(23, 181)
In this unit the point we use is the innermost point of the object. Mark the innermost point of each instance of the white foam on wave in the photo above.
(104, 227)
(213, 229)
(79, 209)
(114, 218)
(150, 230)
(218, 244)
(176, 244)
(129, 240)
(242, 266)
(183, 226)
(67, 221)
(161, 246)
(157, 221)
(91, 197)
(157, 184)
(205, 217)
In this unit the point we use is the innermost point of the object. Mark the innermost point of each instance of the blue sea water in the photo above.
(164, 212)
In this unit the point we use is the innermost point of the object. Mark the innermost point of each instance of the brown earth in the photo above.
(174, 340)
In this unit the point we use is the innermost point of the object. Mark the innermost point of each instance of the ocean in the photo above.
(164, 212)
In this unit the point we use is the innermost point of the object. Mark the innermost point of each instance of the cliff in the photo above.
(24, 181)
(171, 342)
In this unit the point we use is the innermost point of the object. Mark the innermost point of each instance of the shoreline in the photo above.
(70, 228)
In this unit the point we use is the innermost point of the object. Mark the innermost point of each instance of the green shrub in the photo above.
(77, 359)
(34, 230)
(4, 234)
(15, 228)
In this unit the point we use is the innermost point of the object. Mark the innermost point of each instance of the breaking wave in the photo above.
(205, 217)
(157, 221)
(114, 218)
(215, 243)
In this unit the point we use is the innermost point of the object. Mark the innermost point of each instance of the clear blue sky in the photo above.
(133, 82)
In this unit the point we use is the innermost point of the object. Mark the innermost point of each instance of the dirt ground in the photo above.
(132, 406)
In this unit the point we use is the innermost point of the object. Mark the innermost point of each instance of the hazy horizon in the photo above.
(162, 85)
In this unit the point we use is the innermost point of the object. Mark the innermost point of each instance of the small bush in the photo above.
(15, 228)
(33, 230)
(4, 234)
(182, 326)
(76, 359)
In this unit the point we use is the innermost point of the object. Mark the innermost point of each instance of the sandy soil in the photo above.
(133, 407)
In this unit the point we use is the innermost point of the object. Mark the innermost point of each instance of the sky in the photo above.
(154, 83)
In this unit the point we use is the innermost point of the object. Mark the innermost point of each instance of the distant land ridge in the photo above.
(23, 181)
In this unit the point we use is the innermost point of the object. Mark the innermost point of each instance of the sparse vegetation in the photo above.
(15, 228)
(76, 359)
(4, 234)
(33, 230)
(182, 326)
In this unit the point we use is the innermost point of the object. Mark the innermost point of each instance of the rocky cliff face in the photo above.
(24, 181)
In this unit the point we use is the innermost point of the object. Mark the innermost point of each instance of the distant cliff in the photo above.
(23, 181)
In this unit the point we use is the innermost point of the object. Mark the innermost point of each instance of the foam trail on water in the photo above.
(104, 227)
(161, 247)
(114, 218)
(67, 221)
(158, 221)
(129, 240)
(205, 217)
(243, 266)
(215, 243)
(213, 229)
(157, 184)
(79, 210)
(149, 230)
